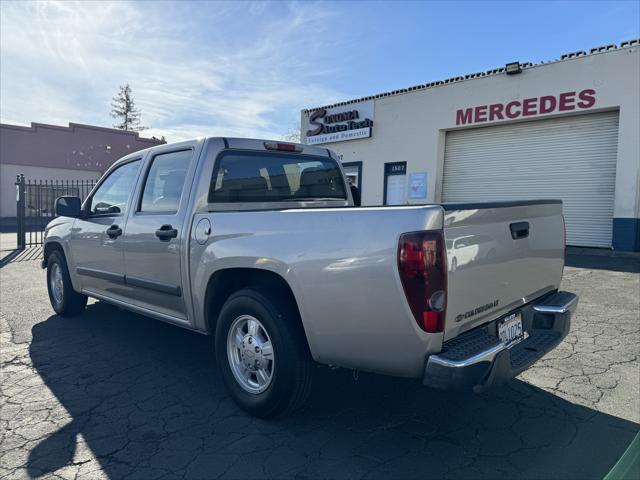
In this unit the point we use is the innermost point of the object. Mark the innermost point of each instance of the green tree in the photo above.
(123, 108)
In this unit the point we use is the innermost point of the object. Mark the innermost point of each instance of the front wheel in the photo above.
(262, 353)
(64, 299)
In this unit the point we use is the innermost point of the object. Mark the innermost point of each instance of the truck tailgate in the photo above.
(500, 256)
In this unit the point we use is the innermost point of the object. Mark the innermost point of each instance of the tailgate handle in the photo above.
(519, 230)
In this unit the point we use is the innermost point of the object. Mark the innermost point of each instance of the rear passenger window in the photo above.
(165, 182)
(273, 177)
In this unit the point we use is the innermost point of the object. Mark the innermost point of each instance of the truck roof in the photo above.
(233, 143)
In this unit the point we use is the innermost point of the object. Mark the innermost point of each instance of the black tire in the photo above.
(293, 367)
(70, 303)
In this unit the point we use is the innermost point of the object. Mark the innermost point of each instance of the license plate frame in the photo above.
(510, 329)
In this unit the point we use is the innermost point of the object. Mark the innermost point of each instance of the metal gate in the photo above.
(35, 205)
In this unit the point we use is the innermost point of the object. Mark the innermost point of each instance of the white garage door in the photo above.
(570, 158)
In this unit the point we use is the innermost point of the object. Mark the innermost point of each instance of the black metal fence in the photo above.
(35, 205)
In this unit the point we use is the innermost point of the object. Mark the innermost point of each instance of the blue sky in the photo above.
(246, 69)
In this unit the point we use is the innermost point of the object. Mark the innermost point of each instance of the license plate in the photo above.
(510, 328)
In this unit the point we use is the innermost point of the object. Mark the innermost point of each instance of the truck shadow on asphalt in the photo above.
(147, 401)
(595, 262)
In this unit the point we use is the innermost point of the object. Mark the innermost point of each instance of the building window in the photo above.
(353, 172)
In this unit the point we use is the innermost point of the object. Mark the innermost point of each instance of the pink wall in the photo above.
(76, 147)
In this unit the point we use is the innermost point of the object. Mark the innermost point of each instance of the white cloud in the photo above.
(195, 69)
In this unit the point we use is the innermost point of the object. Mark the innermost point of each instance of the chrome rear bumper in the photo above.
(477, 360)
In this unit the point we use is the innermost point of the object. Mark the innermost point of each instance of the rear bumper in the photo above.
(477, 360)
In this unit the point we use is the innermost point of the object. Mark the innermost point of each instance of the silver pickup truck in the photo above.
(260, 245)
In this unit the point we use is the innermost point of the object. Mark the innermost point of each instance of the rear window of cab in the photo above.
(275, 177)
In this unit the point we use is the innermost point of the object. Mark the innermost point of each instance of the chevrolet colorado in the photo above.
(260, 245)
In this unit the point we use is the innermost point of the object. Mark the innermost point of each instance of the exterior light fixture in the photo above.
(513, 68)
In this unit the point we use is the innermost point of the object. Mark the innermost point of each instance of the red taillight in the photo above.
(423, 273)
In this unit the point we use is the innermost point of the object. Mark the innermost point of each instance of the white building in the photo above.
(565, 129)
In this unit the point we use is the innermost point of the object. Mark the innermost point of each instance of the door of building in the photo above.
(395, 183)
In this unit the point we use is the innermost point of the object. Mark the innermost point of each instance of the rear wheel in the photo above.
(250, 354)
(262, 353)
(64, 299)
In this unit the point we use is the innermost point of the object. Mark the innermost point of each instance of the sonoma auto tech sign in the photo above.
(337, 124)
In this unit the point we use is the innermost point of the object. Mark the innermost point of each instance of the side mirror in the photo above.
(68, 206)
(355, 193)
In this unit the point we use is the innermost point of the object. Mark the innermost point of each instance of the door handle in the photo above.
(166, 233)
(519, 230)
(114, 231)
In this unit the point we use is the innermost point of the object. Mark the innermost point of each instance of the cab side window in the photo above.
(112, 196)
(165, 182)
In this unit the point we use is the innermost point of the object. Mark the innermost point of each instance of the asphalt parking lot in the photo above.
(111, 394)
